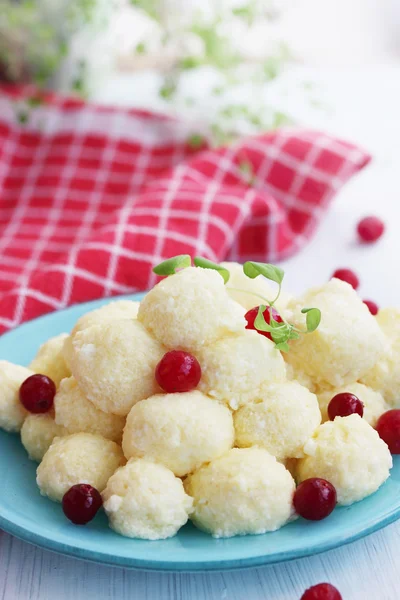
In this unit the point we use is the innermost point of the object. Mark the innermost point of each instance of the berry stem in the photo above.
(232, 289)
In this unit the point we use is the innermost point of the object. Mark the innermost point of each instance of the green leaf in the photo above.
(140, 48)
(169, 266)
(293, 335)
(271, 272)
(196, 140)
(283, 347)
(260, 322)
(313, 318)
(204, 263)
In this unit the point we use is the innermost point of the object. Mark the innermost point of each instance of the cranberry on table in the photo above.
(345, 404)
(81, 503)
(37, 393)
(178, 371)
(251, 316)
(388, 427)
(370, 229)
(314, 499)
(348, 276)
(373, 307)
(322, 591)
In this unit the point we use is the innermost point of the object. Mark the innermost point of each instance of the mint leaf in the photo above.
(271, 272)
(204, 263)
(169, 266)
(313, 318)
(283, 347)
(260, 322)
(293, 335)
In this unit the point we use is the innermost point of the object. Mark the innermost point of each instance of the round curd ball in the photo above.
(385, 374)
(284, 418)
(38, 433)
(245, 491)
(12, 413)
(348, 341)
(50, 359)
(76, 413)
(181, 431)
(191, 309)
(77, 458)
(114, 364)
(251, 289)
(235, 369)
(145, 500)
(113, 311)
(349, 453)
(374, 403)
(296, 374)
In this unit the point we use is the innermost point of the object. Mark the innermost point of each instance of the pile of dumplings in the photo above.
(228, 454)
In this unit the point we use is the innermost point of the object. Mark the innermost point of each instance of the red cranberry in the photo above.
(345, 404)
(178, 371)
(388, 427)
(322, 591)
(251, 316)
(81, 503)
(314, 499)
(373, 307)
(37, 393)
(348, 276)
(370, 229)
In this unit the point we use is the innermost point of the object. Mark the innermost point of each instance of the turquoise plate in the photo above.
(29, 516)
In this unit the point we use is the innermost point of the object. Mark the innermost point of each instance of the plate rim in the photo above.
(188, 566)
(12, 526)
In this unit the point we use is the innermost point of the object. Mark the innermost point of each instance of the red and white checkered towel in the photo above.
(92, 197)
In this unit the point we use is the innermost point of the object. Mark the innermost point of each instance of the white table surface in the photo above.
(364, 107)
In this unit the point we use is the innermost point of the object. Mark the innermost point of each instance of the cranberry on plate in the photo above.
(81, 503)
(345, 404)
(322, 591)
(314, 499)
(37, 393)
(373, 307)
(348, 276)
(388, 427)
(251, 316)
(178, 371)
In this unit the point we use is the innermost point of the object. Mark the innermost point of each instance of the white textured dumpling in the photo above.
(350, 454)
(385, 374)
(374, 404)
(38, 433)
(145, 500)
(251, 289)
(113, 311)
(190, 309)
(114, 364)
(235, 369)
(76, 413)
(283, 419)
(245, 491)
(180, 431)
(50, 359)
(348, 341)
(12, 413)
(296, 374)
(77, 458)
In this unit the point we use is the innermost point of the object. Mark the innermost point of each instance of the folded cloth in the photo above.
(92, 197)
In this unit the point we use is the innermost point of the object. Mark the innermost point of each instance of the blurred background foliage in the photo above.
(203, 51)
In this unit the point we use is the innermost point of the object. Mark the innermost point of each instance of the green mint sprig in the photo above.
(281, 332)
